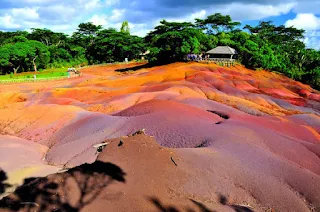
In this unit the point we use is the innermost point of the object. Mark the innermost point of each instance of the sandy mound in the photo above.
(26, 161)
(136, 174)
(224, 139)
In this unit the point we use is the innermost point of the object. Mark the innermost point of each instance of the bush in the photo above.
(11, 75)
(78, 62)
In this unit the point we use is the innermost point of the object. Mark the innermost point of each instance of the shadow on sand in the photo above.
(238, 208)
(199, 206)
(68, 191)
(163, 208)
(134, 68)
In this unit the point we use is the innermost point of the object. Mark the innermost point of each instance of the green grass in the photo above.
(47, 73)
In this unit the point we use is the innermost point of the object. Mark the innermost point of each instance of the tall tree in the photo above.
(25, 56)
(111, 45)
(47, 37)
(171, 41)
(125, 27)
(85, 34)
(217, 23)
(276, 34)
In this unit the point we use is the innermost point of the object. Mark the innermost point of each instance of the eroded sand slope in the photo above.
(251, 137)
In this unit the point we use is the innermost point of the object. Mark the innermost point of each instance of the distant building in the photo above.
(143, 55)
(221, 53)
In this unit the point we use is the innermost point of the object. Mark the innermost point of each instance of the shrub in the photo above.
(11, 75)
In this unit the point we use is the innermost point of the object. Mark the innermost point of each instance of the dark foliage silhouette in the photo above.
(3, 178)
(53, 193)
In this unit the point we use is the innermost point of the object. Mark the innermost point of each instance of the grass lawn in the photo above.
(47, 73)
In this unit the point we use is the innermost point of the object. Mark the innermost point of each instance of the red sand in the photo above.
(252, 136)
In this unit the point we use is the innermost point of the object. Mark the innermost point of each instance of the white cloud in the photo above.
(38, 1)
(58, 12)
(117, 15)
(7, 22)
(65, 15)
(99, 20)
(306, 21)
(25, 13)
(106, 21)
(111, 2)
(310, 23)
(139, 29)
(240, 11)
(312, 42)
(189, 18)
(200, 14)
(67, 28)
(92, 4)
(307, 6)
(17, 17)
(312, 39)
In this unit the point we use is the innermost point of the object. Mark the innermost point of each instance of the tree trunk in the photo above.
(15, 70)
(58, 43)
(34, 64)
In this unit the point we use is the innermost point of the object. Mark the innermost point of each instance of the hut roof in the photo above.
(145, 53)
(222, 50)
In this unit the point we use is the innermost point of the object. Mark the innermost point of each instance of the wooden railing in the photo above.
(34, 80)
(213, 59)
(222, 59)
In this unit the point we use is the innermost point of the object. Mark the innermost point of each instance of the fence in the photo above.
(221, 59)
(34, 80)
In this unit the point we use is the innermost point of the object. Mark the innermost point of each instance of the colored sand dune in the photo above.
(224, 139)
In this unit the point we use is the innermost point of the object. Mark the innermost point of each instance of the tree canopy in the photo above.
(125, 27)
(266, 46)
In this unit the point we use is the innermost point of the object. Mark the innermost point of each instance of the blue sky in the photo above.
(143, 15)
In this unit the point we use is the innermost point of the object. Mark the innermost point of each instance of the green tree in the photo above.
(47, 37)
(85, 34)
(15, 39)
(6, 36)
(111, 45)
(125, 27)
(171, 41)
(217, 23)
(25, 56)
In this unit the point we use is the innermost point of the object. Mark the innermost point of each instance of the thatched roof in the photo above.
(222, 50)
(145, 53)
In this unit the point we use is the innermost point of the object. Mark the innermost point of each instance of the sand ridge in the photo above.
(251, 137)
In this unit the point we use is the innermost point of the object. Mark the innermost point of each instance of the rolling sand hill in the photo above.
(217, 139)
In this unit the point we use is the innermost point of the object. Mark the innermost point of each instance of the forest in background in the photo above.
(265, 46)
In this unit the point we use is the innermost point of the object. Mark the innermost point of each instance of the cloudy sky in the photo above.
(143, 15)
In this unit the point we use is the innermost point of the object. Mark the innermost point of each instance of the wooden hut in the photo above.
(143, 55)
(221, 53)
